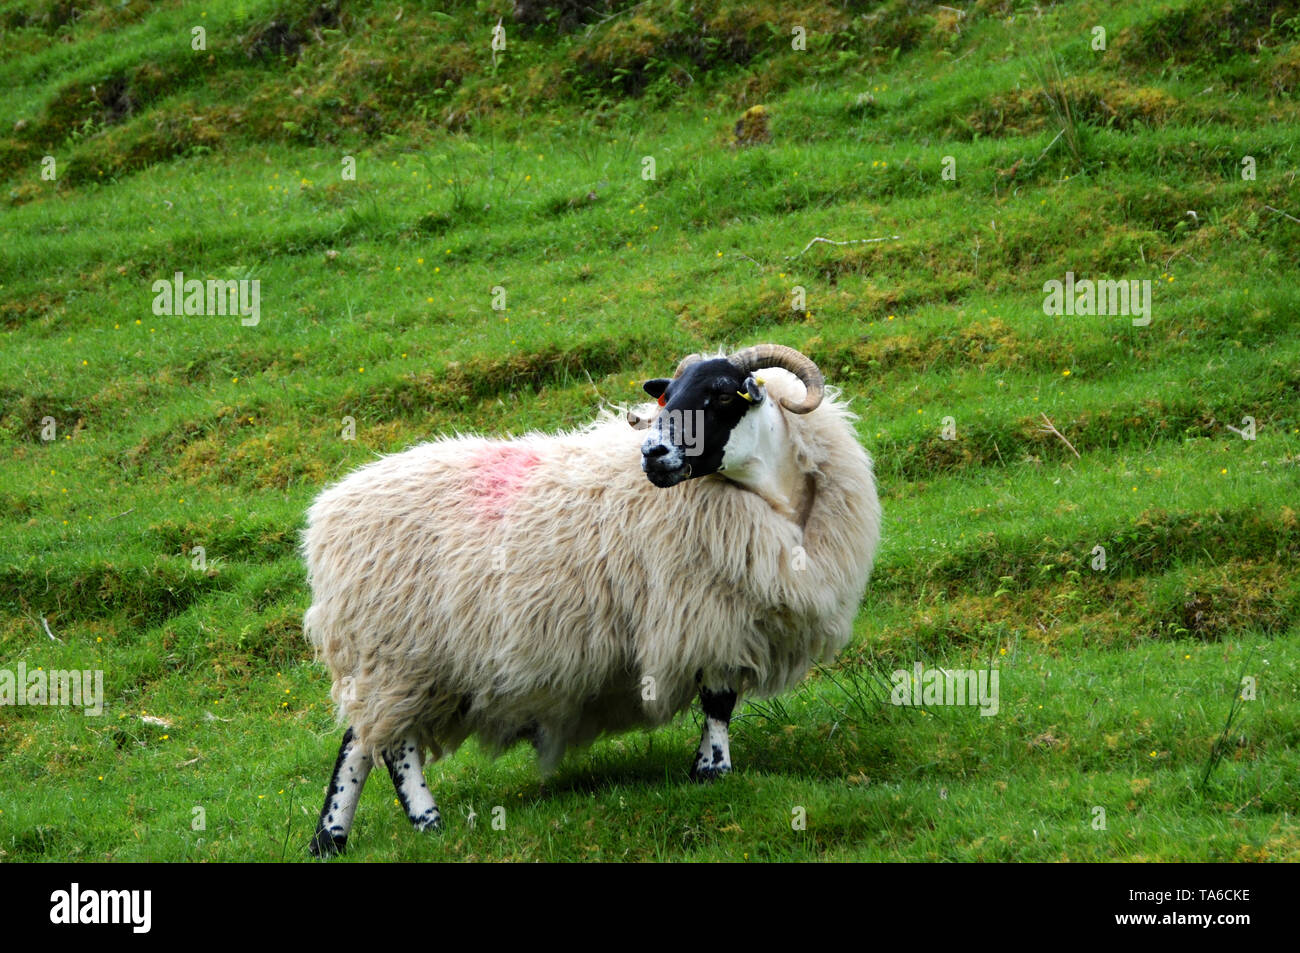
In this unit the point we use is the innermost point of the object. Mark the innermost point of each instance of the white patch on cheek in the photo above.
(751, 440)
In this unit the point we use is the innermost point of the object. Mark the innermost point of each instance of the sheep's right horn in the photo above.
(778, 355)
(686, 362)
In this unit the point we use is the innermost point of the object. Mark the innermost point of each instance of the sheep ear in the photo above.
(656, 387)
(753, 391)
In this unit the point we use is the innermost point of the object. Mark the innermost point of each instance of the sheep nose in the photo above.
(655, 450)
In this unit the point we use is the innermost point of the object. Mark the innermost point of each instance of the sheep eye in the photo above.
(725, 398)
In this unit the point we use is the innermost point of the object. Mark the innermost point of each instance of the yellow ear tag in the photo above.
(745, 394)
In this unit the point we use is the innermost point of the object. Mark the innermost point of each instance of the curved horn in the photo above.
(778, 355)
(686, 362)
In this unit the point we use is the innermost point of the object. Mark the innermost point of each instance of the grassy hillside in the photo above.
(983, 151)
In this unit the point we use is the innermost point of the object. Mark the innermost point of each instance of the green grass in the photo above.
(178, 432)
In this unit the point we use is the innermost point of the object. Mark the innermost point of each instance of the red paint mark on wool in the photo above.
(500, 471)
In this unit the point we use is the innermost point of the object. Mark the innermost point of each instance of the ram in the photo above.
(554, 587)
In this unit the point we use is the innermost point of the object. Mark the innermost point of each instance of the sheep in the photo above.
(549, 589)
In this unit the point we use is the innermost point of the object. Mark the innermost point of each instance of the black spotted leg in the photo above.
(350, 771)
(407, 772)
(713, 760)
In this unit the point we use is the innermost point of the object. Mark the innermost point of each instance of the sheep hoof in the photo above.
(324, 844)
(709, 772)
(433, 824)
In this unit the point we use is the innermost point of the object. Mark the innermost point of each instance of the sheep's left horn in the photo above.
(778, 355)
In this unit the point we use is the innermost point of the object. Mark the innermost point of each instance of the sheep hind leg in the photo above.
(351, 769)
(407, 771)
(713, 759)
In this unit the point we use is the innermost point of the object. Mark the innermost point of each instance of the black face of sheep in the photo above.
(715, 413)
(700, 410)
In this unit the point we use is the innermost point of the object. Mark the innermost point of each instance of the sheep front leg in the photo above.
(407, 772)
(713, 760)
(351, 769)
